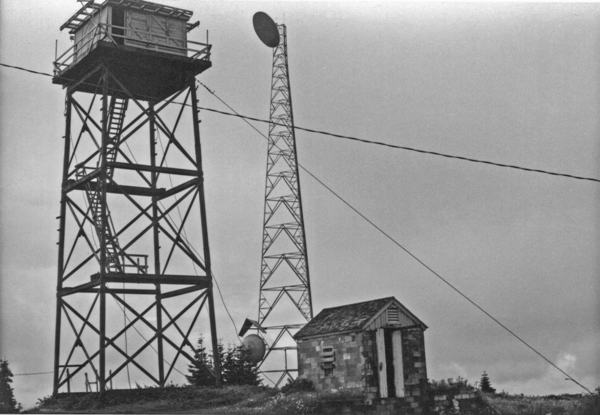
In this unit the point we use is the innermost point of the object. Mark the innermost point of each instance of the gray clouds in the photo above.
(513, 83)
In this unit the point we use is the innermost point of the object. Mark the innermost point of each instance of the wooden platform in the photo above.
(148, 75)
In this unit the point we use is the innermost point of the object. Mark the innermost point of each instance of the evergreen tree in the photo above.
(485, 384)
(240, 369)
(201, 372)
(236, 366)
(8, 404)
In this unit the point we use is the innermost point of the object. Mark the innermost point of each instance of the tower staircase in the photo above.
(114, 259)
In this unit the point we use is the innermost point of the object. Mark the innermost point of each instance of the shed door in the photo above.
(398, 366)
(381, 363)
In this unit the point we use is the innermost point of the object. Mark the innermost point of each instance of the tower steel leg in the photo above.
(207, 263)
(154, 180)
(61, 242)
(103, 226)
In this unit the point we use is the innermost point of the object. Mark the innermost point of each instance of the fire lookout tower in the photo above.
(131, 286)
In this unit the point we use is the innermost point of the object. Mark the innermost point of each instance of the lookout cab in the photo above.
(145, 45)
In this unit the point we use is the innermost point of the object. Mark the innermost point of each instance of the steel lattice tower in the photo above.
(285, 302)
(129, 279)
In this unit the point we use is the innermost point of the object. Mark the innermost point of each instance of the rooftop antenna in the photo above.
(285, 302)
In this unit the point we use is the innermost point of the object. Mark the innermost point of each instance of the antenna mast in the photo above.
(285, 302)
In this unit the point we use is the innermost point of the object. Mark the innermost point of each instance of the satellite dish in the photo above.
(266, 29)
(257, 347)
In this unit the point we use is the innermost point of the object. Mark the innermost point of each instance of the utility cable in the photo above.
(433, 153)
(218, 288)
(146, 340)
(126, 342)
(441, 278)
(379, 143)
(25, 69)
(395, 242)
(184, 236)
(255, 129)
(246, 118)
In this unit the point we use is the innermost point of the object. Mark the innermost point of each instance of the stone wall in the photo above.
(457, 400)
(415, 365)
(370, 366)
(348, 372)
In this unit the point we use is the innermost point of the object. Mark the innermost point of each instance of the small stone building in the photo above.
(375, 349)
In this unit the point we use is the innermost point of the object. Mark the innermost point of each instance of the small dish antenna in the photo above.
(257, 347)
(266, 29)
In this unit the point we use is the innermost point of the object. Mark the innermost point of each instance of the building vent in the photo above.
(327, 358)
(393, 315)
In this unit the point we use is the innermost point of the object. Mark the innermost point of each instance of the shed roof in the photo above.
(351, 317)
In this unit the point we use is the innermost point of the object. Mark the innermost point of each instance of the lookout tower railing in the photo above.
(107, 33)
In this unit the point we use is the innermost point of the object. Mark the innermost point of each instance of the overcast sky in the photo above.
(511, 83)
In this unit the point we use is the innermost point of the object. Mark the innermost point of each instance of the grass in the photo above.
(504, 404)
(156, 400)
(255, 400)
(241, 400)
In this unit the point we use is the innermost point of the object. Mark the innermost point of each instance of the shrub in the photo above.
(449, 385)
(297, 385)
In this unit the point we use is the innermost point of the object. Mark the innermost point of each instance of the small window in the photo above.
(118, 22)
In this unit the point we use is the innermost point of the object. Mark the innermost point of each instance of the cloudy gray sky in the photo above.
(512, 83)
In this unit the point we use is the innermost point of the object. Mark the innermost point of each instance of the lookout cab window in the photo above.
(118, 23)
(327, 361)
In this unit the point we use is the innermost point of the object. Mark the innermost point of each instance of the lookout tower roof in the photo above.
(91, 7)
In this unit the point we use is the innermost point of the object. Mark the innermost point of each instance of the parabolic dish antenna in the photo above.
(257, 347)
(266, 29)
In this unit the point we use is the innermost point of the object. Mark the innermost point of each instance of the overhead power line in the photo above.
(25, 69)
(379, 143)
(416, 150)
(395, 242)
(31, 374)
